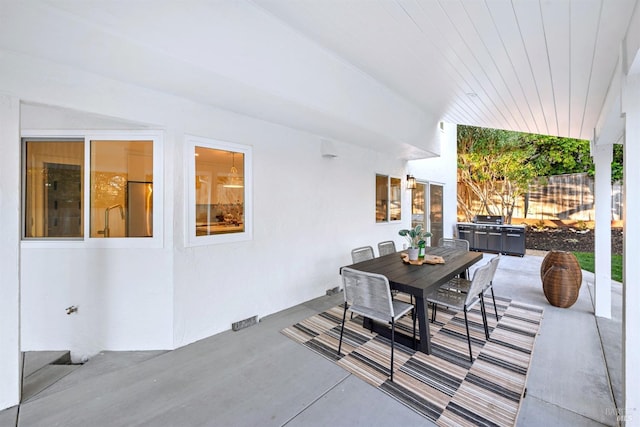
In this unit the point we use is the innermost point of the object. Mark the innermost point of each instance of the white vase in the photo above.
(413, 254)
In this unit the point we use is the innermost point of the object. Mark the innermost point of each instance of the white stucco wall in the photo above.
(309, 212)
(123, 298)
(442, 170)
(252, 64)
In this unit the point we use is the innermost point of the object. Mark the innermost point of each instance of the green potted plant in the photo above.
(415, 236)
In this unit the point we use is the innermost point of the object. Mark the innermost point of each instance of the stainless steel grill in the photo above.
(488, 233)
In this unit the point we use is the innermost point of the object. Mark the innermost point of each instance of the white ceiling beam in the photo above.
(631, 44)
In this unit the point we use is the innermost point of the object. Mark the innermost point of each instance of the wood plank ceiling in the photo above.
(533, 66)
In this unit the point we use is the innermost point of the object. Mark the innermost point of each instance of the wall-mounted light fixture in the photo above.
(411, 182)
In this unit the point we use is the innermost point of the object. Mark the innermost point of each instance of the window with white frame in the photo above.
(219, 191)
(388, 198)
(111, 199)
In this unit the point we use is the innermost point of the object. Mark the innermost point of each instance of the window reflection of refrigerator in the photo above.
(139, 209)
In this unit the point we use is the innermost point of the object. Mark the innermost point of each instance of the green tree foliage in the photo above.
(616, 164)
(497, 166)
(557, 156)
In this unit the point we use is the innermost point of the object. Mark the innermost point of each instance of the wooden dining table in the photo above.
(418, 281)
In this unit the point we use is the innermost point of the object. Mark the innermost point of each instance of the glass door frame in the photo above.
(422, 198)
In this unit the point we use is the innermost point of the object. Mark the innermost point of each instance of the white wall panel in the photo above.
(228, 54)
(442, 171)
(309, 212)
(10, 357)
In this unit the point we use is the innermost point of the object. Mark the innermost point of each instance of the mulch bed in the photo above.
(565, 239)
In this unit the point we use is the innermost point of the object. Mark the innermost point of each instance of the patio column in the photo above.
(631, 266)
(602, 158)
(10, 360)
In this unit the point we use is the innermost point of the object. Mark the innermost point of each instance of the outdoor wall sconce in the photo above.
(411, 182)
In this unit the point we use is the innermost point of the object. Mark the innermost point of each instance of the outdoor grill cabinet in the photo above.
(489, 234)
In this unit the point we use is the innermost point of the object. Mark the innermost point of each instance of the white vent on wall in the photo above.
(250, 321)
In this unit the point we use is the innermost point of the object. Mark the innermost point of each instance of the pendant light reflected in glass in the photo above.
(411, 182)
(234, 180)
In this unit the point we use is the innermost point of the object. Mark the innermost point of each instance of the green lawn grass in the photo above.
(586, 261)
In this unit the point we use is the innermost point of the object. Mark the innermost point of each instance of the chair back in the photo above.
(386, 247)
(368, 292)
(493, 267)
(448, 242)
(481, 281)
(363, 253)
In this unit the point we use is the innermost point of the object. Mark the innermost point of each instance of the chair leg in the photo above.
(483, 311)
(393, 330)
(434, 308)
(344, 317)
(495, 308)
(466, 324)
(415, 343)
(413, 304)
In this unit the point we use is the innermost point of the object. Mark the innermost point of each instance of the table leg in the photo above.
(423, 325)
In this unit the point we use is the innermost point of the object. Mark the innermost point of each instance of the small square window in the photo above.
(388, 198)
(219, 191)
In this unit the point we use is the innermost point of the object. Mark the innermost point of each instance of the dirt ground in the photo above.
(566, 240)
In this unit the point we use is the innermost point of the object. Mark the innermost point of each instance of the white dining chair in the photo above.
(369, 295)
(465, 301)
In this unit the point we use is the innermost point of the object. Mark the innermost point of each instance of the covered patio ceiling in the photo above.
(532, 66)
(379, 73)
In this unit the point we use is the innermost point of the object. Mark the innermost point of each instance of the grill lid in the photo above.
(489, 219)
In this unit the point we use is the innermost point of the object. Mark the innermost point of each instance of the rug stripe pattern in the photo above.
(445, 386)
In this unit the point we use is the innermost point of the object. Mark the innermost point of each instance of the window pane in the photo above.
(121, 189)
(395, 206)
(219, 190)
(418, 206)
(382, 194)
(53, 189)
(436, 211)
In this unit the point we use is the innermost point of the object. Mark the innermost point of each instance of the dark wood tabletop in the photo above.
(419, 280)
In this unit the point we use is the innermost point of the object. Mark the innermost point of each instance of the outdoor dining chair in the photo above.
(386, 247)
(389, 247)
(360, 254)
(465, 301)
(459, 284)
(448, 242)
(369, 295)
(363, 253)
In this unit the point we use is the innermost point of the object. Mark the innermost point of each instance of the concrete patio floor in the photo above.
(258, 377)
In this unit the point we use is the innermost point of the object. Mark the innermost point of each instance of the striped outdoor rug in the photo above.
(444, 386)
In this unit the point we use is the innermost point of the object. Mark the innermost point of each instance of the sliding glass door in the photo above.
(426, 209)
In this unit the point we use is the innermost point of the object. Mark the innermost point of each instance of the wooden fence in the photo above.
(561, 197)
